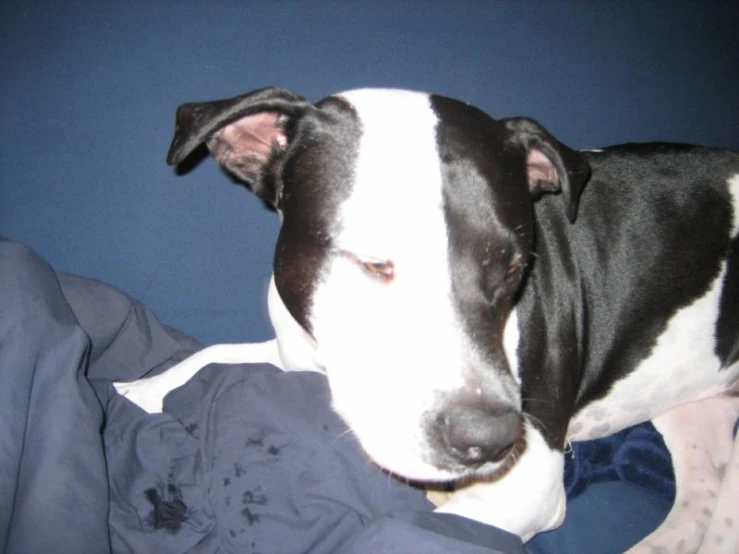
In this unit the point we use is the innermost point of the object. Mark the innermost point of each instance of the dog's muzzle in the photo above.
(467, 433)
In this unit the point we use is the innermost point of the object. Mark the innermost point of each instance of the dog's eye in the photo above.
(376, 268)
(380, 269)
(512, 271)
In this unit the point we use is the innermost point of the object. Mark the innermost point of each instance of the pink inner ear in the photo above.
(540, 168)
(245, 145)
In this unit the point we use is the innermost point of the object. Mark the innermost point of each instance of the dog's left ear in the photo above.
(550, 165)
(245, 133)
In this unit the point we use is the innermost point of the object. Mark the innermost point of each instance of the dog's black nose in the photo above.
(472, 434)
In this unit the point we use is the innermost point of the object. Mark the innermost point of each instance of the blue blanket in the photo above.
(244, 458)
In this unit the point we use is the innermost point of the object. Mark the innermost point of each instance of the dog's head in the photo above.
(407, 229)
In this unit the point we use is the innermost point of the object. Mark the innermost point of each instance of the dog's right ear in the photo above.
(243, 133)
(550, 165)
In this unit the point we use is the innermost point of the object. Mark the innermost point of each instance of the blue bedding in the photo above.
(244, 458)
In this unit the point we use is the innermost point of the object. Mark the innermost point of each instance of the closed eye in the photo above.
(512, 271)
(383, 270)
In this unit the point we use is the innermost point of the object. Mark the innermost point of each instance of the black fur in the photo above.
(653, 228)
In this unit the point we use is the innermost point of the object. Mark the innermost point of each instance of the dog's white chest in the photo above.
(681, 367)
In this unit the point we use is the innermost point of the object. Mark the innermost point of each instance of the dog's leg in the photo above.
(699, 438)
(722, 536)
(529, 499)
(149, 392)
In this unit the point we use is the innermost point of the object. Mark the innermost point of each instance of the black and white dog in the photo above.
(469, 323)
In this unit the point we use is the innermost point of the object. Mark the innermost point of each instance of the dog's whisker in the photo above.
(539, 400)
(537, 421)
(346, 432)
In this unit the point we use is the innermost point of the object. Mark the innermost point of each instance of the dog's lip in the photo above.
(503, 466)
(489, 471)
(457, 475)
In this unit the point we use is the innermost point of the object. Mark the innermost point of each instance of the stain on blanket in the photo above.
(168, 511)
(251, 517)
(255, 496)
(255, 441)
(250, 499)
(257, 450)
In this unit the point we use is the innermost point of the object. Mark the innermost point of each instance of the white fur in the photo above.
(706, 465)
(148, 393)
(511, 338)
(292, 350)
(734, 190)
(296, 349)
(394, 212)
(682, 367)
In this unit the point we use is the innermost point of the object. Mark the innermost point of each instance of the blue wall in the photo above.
(88, 91)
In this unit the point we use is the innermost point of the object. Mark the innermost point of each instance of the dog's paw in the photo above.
(148, 394)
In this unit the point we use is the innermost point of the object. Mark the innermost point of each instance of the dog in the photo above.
(475, 305)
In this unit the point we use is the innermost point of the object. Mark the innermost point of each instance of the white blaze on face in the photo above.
(388, 347)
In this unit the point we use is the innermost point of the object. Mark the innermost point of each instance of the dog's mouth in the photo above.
(447, 476)
(420, 458)
(461, 470)
(457, 436)
(492, 471)
(471, 434)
